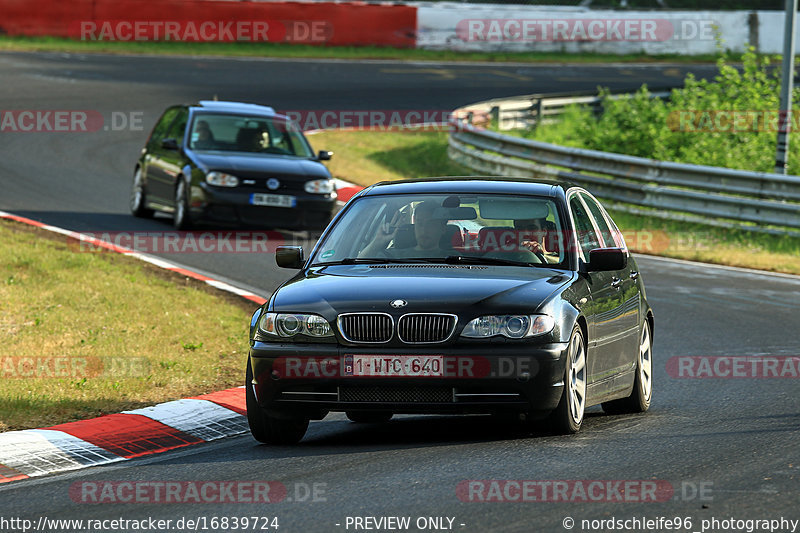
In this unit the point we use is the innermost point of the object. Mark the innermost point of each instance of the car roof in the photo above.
(472, 185)
(236, 107)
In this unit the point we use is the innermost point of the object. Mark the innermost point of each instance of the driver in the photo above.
(428, 232)
(205, 139)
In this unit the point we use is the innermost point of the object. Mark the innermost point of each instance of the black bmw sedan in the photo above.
(454, 295)
(232, 162)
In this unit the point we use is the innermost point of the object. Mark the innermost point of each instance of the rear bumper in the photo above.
(309, 380)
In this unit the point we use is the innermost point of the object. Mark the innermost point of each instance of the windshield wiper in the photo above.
(371, 261)
(475, 260)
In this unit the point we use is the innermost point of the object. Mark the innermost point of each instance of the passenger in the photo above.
(532, 233)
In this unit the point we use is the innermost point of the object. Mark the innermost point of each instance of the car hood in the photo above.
(268, 164)
(331, 290)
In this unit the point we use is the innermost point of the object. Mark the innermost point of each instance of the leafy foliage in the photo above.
(696, 124)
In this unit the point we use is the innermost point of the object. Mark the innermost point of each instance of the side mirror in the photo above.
(169, 144)
(289, 256)
(604, 259)
(324, 155)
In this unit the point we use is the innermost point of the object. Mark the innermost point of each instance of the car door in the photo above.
(604, 309)
(149, 171)
(627, 296)
(166, 162)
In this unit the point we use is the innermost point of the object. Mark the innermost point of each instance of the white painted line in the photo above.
(229, 288)
(341, 184)
(155, 261)
(200, 418)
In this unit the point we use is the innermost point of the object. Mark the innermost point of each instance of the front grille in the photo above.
(396, 394)
(418, 328)
(366, 327)
(288, 184)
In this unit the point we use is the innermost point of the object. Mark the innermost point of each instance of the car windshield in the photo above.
(242, 133)
(490, 229)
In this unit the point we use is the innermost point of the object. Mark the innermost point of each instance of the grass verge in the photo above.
(298, 51)
(709, 244)
(85, 334)
(367, 157)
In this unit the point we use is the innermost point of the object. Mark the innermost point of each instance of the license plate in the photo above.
(394, 365)
(273, 200)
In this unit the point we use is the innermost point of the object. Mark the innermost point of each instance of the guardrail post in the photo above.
(494, 117)
(537, 112)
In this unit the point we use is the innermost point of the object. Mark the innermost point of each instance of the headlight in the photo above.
(320, 186)
(511, 326)
(291, 324)
(220, 179)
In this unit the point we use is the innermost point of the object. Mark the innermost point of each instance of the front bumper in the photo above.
(311, 379)
(311, 211)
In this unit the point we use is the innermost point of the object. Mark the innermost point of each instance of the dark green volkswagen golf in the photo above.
(454, 295)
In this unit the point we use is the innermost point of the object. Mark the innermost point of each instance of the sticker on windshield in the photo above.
(327, 254)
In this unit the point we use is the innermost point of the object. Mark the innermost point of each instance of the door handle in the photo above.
(634, 274)
(616, 282)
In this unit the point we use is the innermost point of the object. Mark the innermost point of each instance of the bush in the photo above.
(639, 125)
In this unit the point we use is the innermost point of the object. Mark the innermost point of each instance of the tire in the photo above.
(138, 199)
(182, 218)
(642, 393)
(369, 417)
(265, 428)
(567, 417)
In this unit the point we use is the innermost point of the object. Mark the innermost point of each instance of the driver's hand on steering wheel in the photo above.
(533, 246)
(386, 233)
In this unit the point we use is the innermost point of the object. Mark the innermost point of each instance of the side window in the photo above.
(587, 237)
(162, 126)
(602, 225)
(178, 128)
(608, 229)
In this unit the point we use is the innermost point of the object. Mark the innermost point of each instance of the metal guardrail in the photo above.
(530, 111)
(756, 201)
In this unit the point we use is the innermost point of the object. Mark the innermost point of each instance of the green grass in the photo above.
(297, 51)
(89, 333)
(366, 157)
(709, 244)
